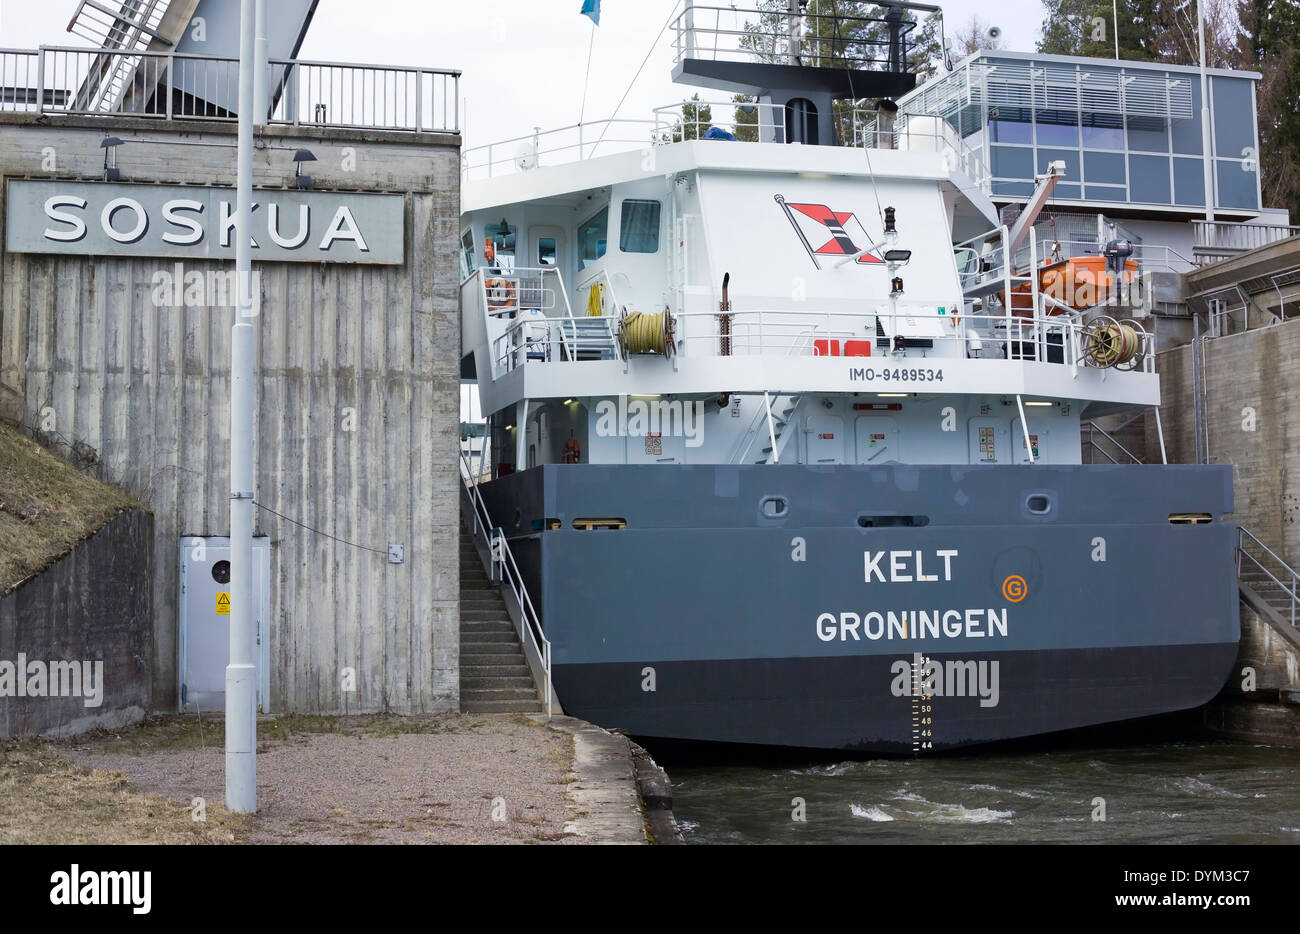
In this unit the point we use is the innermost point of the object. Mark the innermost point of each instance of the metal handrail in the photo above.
(1229, 237)
(140, 83)
(756, 333)
(506, 567)
(718, 33)
(1292, 591)
(1145, 253)
(1094, 428)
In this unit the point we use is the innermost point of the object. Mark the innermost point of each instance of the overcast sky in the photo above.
(523, 60)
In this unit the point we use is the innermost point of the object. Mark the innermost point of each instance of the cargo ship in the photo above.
(785, 393)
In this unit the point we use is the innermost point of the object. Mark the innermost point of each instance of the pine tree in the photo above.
(1087, 28)
(746, 118)
(694, 122)
(1268, 41)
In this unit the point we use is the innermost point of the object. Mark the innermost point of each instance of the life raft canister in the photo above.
(501, 294)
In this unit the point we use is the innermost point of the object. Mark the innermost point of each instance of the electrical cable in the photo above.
(303, 525)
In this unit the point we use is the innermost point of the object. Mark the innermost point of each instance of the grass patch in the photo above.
(45, 799)
(46, 507)
(190, 731)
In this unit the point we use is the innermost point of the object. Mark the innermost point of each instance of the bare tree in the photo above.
(1176, 39)
(974, 37)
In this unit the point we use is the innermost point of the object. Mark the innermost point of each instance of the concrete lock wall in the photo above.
(357, 403)
(1252, 384)
(93, 608)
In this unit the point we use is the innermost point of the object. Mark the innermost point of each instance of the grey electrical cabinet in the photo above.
(204, 644)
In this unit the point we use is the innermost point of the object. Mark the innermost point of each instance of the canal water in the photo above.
(1199, 791)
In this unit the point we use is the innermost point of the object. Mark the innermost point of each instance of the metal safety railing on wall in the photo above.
(505, 572)
(181, 86)
(1272, 578)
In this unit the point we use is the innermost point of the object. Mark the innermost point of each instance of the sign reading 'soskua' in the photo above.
(112, 219)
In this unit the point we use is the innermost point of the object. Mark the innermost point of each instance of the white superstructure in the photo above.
(714, 300)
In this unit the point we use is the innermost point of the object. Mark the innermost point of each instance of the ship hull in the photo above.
(886, 609)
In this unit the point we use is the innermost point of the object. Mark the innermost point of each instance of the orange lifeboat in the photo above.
(1078, 282)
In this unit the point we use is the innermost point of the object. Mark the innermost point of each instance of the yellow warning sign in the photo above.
(223, 604)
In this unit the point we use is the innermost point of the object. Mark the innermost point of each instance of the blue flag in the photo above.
(591, 8)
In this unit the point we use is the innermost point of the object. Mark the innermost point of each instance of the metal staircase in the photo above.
(130, 27)
(505, 657)
(1101, 447)
(782, 409)
(1271, 578)
(494, 675)
(588, 338)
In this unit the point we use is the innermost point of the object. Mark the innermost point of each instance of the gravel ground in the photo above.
(458, 779)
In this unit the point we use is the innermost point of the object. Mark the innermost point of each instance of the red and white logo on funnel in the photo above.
(815, 222)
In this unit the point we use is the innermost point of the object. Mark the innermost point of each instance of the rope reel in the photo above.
(1110, 343)
(642, 333)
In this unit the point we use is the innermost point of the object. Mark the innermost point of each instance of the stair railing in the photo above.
(506, 572)
(1291, 587)
(1093, 430)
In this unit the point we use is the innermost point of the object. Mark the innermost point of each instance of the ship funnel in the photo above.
(886, 124)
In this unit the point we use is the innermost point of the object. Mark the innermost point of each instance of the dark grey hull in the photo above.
(705, 618)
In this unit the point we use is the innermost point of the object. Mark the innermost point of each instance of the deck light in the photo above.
(109, 145)
(899, 257)
(299, 157)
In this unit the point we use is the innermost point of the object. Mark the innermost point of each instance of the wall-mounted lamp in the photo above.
(109, 145)
(898, 257)
(299, 157)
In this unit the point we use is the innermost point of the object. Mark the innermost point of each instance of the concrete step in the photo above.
(481, 600)
(486, 615)
(519, 670)
(484, 655)
(509, 706)
(497, 636)
(528, 693)
(480, 625)
(481, 684)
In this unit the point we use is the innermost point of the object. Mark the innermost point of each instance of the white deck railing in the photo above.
(1216, 240)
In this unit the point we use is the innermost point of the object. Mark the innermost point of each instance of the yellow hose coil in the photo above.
(596, 300)
(643, 333)
(1113, 344)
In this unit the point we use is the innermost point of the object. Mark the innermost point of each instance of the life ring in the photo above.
(501, 294)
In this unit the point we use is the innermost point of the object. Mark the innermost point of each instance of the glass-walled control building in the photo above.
(1128, 132)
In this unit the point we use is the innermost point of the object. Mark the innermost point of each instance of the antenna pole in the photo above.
(241, 673)
(260, 78)
(794, 32)
(1206, 141)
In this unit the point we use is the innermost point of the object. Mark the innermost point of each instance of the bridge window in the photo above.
(545, 251)
(592, 235)
(639, 230)
(502, 236)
